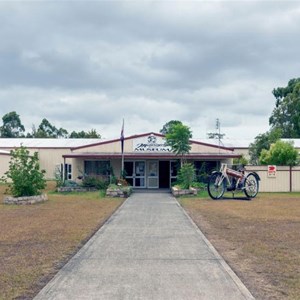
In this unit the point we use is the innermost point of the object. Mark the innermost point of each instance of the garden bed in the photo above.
(25, 200)
(177, 192)
(118, 191)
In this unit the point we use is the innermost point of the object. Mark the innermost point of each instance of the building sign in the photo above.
(271, 171)
(151, 143)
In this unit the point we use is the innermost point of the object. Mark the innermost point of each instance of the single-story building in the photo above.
(148, 161)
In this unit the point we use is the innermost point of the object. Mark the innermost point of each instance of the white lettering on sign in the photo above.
(151, 143)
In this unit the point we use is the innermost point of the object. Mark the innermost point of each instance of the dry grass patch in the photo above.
(259, 239)
(36, 240)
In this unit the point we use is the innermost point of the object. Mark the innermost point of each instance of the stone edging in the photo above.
(68, 189)
(26, 199)
(179, 192)
(123, 193)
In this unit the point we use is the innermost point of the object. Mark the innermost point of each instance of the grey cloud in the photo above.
(101, 61)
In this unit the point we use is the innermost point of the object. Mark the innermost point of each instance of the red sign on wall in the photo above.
(271, 171)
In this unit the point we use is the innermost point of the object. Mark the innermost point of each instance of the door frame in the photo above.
(153, 176)
(134, 176)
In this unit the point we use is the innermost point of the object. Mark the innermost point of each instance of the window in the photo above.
(97, 167)
(68, 171)
(203, 169)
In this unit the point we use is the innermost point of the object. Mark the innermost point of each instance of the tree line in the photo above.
(13, 128)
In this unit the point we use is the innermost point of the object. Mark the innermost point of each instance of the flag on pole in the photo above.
(122, 150)
(122, 138)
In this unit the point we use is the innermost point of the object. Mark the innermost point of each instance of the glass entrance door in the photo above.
(139, 175)
(152, 167)
(135, 173)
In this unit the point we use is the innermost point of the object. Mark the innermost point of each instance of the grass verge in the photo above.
(36, 240)
(259, 239)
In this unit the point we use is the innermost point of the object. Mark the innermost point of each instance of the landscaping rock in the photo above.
(68, 189)
(180, 192)
(25, 200)
(120, 192)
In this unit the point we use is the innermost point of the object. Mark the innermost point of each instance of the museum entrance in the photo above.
(164, 174)
(151, 174)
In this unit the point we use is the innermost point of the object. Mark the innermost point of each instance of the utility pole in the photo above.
(218, 127)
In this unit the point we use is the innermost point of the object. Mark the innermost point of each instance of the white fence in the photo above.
(285, 178)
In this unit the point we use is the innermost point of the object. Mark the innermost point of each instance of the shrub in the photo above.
(113, 179)
(58, 177)
(24, 176)
(186, 175)
(96, 182)
(70, 183)
(198, 185)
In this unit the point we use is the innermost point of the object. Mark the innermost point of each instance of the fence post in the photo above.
(291, 179)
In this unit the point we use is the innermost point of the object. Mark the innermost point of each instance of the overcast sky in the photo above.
(88, 64)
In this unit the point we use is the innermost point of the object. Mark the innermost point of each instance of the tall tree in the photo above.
(12, 126)
(178, 138)
(47, 130)
(263, 141)
(92, 134)
(286, 114)
(166, 128)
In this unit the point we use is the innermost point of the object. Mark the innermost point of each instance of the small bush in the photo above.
(70, 183)
(98, 183)
(24, 176)
(198, 185)
(58, 175)
(113, 179)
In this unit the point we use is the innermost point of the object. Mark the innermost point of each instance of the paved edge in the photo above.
(76, 253)
(245, 292)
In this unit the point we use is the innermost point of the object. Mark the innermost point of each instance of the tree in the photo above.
(263, 141)
(47, 130)
(62, 133)
(240, 161)
(186, 175)
(281, 153)
(12, 126)
(286, 114)
(178, 138)
(166, 128)
(92, 134)
(24, 175)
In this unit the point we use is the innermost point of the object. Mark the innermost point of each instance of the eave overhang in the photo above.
(93, 155)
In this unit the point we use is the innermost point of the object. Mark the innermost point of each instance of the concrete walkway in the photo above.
(149, 249)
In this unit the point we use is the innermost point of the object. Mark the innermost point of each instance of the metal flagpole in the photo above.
(122, 149)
